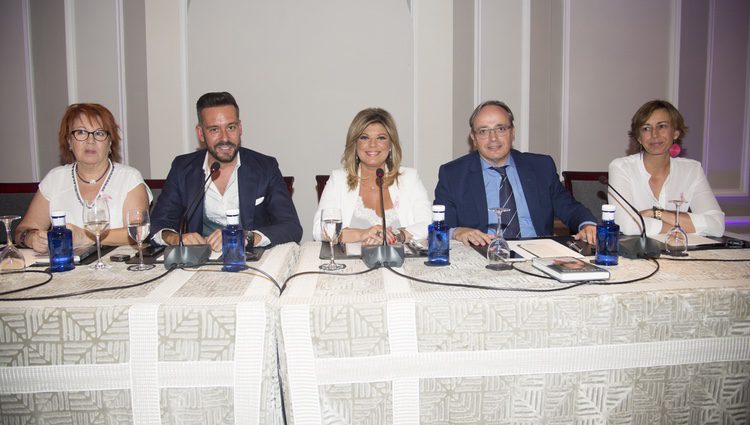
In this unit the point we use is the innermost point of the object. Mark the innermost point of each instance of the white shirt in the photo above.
(59, 188)
(409, 197)
(629, 176)
(215, 205)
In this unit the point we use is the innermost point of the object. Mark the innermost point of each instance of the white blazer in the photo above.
(409, 198)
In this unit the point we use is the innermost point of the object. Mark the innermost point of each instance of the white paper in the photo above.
(694, 239)
(542, 248)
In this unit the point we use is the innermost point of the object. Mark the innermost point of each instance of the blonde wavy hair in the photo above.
(349, 159)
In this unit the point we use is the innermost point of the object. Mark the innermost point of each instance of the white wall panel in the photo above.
(502, 33)
(16, 113)
(619, 58)
(95, 57)
(300, 72)
(725, 149)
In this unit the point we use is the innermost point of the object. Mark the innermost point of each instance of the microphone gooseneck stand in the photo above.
(383, 255)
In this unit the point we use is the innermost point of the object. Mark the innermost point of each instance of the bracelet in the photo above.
(22, 237)
(657, 212)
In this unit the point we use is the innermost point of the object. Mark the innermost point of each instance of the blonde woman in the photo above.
(372, 142)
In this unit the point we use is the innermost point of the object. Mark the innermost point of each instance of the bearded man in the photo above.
(245, 180)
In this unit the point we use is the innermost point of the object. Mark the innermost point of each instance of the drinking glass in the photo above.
(677, 240)
(139, 225)
(11, 259)
(330, 223)
(96, 221)
(498, 250)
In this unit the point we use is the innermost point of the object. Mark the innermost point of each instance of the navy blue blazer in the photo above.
(258, 177)
(460, 188)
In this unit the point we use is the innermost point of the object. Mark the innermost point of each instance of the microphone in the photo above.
(383, 255)
(379, 180)
(191, 255)
(635, 246)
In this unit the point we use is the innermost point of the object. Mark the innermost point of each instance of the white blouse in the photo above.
(412, 206)
(686, 177)
(59, 189)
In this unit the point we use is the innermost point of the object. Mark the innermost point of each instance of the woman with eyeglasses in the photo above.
(372, 142)
(89, 143)
(653, 177)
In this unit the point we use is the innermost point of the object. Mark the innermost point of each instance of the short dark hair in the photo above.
(213, 99)
(497, 103)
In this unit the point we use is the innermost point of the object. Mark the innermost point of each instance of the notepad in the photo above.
(570, 269)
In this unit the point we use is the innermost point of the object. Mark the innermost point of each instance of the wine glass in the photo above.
(139, 225)
(330, 223)
(96, 221)
(11, 259)
(498, 250)
(677, 240)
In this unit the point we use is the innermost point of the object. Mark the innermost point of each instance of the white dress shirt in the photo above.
(686, 177)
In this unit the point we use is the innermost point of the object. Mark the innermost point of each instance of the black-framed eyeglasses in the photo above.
(500, 130)
(82, 135)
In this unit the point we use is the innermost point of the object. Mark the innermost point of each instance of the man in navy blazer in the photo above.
(468, 186)
(246, 180)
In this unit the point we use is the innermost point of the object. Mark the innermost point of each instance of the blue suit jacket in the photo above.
(460, 188)
(258, 177)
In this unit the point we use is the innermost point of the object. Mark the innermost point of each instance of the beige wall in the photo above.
(16, 109)
(573, 72)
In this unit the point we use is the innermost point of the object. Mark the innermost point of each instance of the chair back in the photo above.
(289, 180)
(586, 188)
(320, 184)
(14, 200)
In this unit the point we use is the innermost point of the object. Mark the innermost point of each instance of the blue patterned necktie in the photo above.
(511, 228)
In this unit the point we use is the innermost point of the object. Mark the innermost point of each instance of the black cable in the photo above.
(604, 282)
(491, 288)
(90, 291)
(275, 283)
(729, 260)
(45, 271)
(283, 286)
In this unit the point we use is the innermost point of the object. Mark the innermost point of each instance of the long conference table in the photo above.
(202, 346)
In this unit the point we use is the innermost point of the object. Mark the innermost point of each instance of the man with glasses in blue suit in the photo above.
(496, 175)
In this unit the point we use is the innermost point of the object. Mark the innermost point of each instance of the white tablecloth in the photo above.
(193, 347)
(378, 348)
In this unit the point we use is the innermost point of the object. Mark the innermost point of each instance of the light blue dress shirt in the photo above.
(492, 191)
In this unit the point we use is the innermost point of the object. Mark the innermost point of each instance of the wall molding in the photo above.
(565, 95)
(525, 74)
(477, 52)
(413, 8)
(187, 141)
(674, 63)
(742, 187)
(709, 72)
(70, 50)
(745, 166)
(30, 92)
(121, 80)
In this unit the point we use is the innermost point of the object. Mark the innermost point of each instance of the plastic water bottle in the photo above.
(438, 251)
(607, 238)
(60, 242)
(233, 243)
